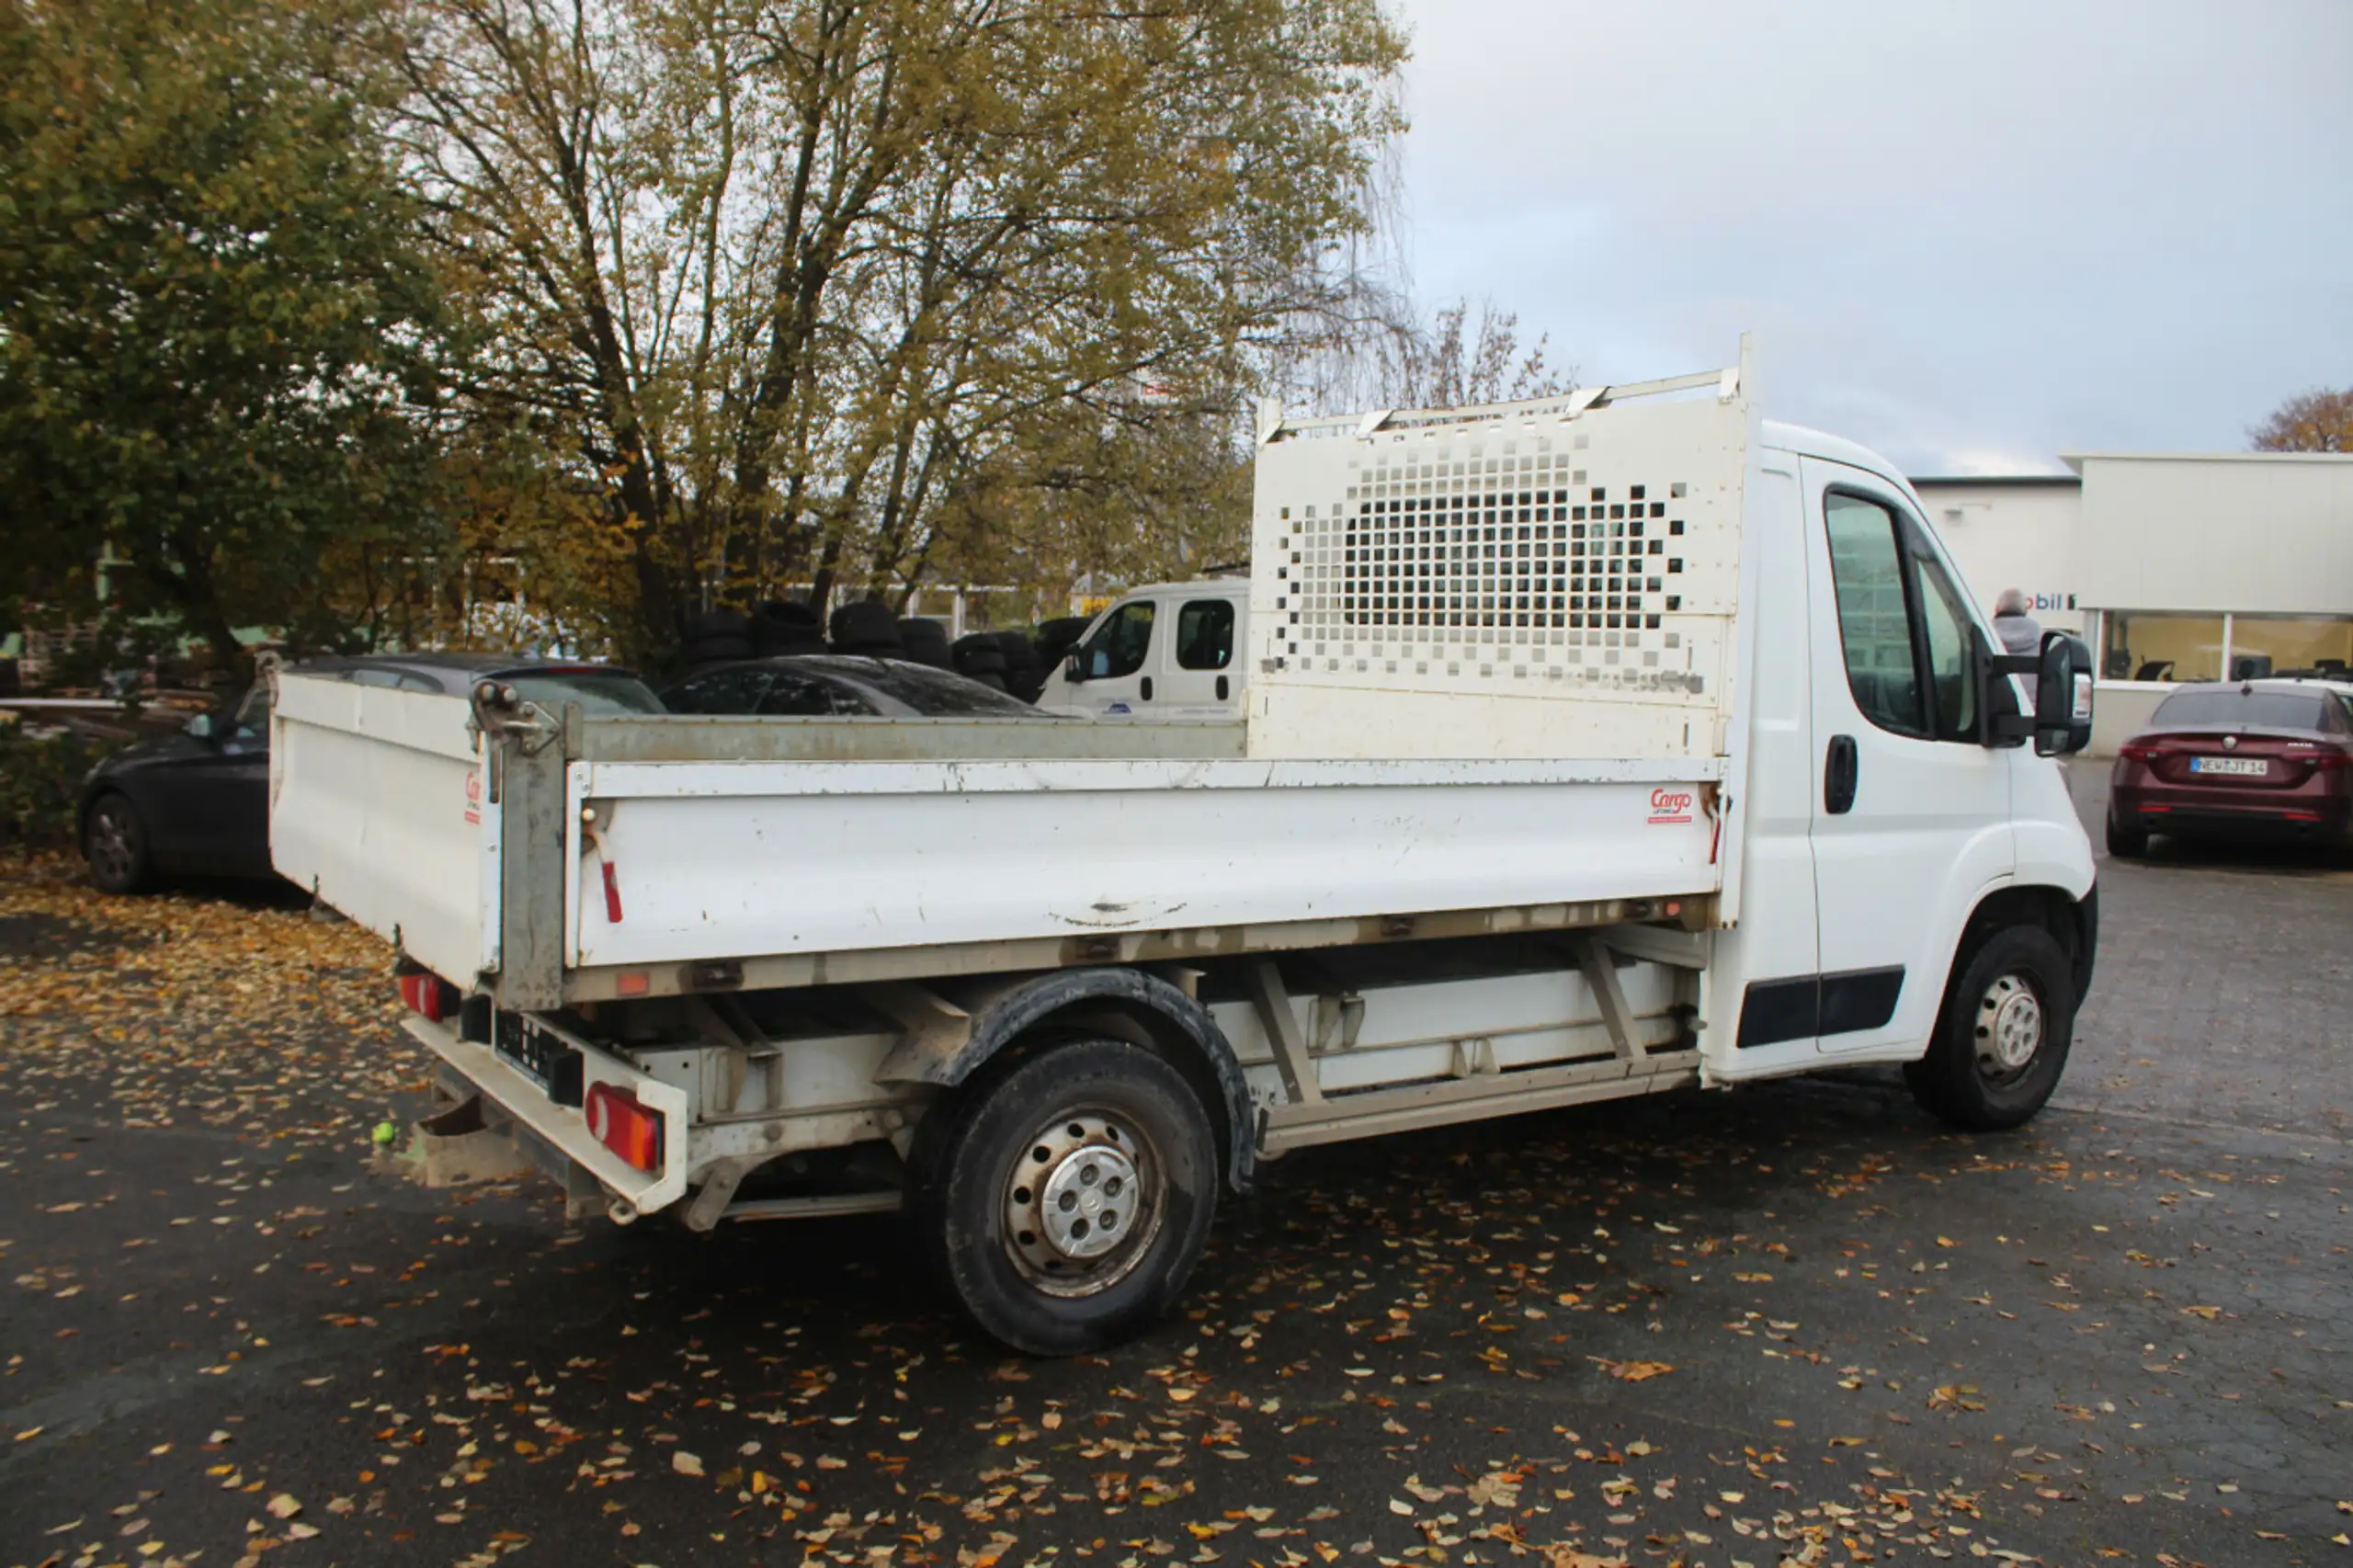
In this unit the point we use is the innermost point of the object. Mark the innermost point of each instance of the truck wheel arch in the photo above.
(1132, 1005)
(2073, 923)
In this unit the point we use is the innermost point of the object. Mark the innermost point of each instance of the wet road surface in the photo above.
(1796, 1321)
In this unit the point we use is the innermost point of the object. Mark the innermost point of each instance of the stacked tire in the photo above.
(1057, 637)
(866, 628)
(780, 628)
(926, 642)
(1024, 674)
(714, 637)
(980, 657)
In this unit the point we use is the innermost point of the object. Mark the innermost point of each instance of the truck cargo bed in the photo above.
(748, 864)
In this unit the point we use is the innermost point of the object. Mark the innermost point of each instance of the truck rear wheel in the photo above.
(2001, 1042)
(1067, 1194)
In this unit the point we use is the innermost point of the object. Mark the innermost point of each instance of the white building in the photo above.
(2176, 567)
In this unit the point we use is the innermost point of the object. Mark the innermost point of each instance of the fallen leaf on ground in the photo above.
(1631, 1372)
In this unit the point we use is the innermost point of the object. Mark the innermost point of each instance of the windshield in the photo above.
(599, 696)
(936, 694)
(2263, 710)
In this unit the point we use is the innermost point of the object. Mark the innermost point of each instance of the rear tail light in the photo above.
(618, 1121)
(2334, 761)
(2137, 751)
(430, 997)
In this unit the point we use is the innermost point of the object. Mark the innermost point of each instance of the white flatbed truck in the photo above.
(1597, 746)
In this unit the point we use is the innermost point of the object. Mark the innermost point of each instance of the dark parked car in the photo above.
(199, 800)
(2253, 759)
(819, 684)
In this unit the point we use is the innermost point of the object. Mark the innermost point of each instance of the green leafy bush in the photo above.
(40, 780)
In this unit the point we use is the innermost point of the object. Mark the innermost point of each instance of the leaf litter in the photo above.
(1356, 1328)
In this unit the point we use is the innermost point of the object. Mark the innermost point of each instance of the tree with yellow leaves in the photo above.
(845, 294)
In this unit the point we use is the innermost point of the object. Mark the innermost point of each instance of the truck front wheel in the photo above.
(2002, 1039)
(1067, 1194)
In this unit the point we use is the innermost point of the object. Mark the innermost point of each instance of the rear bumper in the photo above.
(564, 1129)
(2284, 821)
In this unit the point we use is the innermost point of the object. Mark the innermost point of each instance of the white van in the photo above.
(1170, 650)
(1619, 744)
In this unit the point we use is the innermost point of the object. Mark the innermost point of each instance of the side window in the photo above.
(1874, 624)
(1951, 676)
(1205, 635)
(799, 697)
(1119, 648)
(724, 691)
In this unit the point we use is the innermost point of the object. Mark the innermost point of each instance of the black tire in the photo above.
(2015, 993)
(1102, 1105)
(2126, 843)
(979, 656)
(866, 628)
(114, 841)
(926, 642)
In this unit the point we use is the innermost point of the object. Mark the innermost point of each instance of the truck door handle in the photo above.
(1839, 776)
(1220, 688)
(1147, 689)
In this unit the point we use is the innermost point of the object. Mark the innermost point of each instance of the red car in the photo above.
(2247, 759)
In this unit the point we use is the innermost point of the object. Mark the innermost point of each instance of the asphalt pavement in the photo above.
(1790, 1322)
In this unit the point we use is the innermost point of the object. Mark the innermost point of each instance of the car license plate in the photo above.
(538, 1056)
(2244, 767)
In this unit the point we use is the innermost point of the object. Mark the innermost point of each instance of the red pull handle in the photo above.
(612, 895)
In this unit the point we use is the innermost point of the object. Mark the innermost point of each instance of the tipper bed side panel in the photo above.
(375, 805)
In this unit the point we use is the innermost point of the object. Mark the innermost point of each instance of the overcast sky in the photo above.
(1970, 234)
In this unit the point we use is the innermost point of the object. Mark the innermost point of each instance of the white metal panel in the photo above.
(376, 805)
(1568, 575)
(2246, 532)
(735, 859)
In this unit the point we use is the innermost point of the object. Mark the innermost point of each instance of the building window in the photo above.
(2143, 646)
(2290, 646)
(2137, 646)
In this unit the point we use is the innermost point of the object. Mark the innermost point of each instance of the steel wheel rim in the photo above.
(1085, 1198)
(2009, 1029)
(109, 847)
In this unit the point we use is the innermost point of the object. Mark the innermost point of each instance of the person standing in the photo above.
(2013, 625)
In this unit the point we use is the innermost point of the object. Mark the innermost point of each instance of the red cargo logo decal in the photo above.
(473, 797)
(1669, 806)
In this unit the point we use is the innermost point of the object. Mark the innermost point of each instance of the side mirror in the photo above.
(201, 727)
(2063, 696)
(1075, 668)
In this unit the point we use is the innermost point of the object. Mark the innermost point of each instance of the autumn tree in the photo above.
(2316, 421)
(860, 292)
(217, 333)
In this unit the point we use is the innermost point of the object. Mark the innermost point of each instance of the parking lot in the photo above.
(1794, 1322)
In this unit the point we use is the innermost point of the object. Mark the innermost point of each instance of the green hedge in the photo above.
(40, 780)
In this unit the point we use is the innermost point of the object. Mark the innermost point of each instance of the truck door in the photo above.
(1117, 660)
(1911, 815)
(1198, 677)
